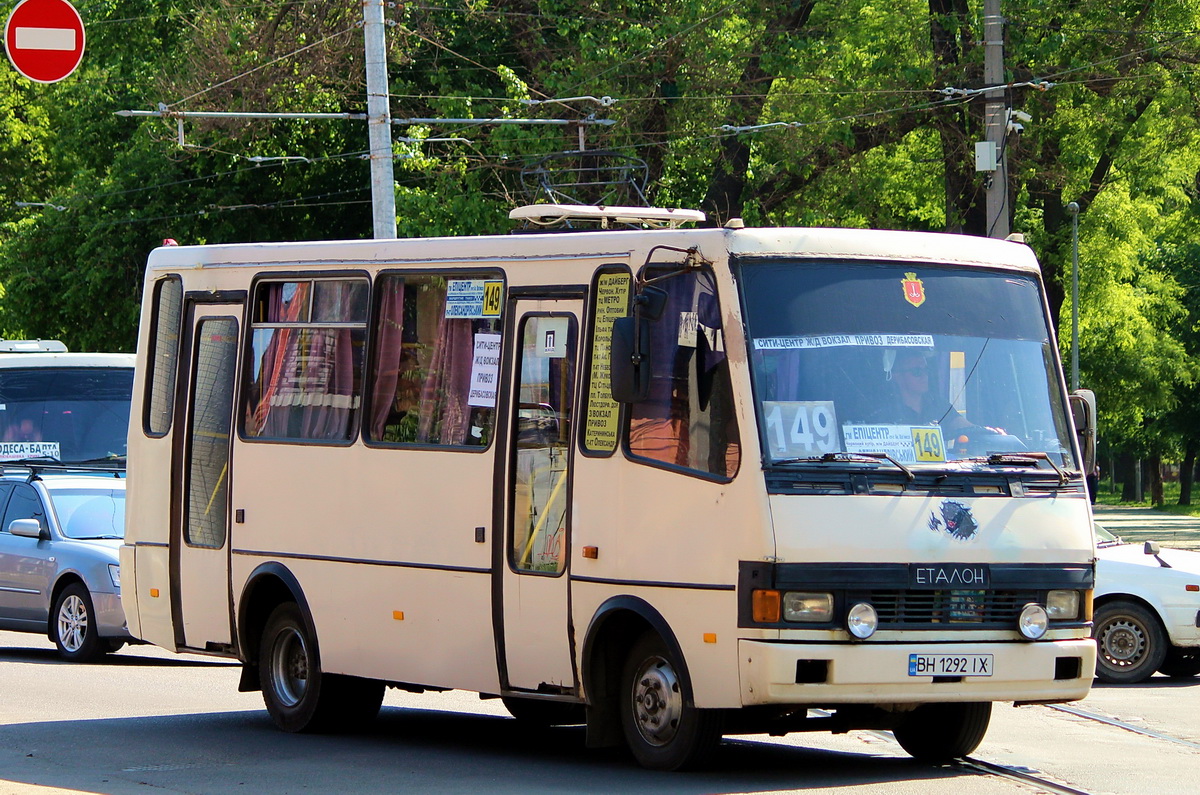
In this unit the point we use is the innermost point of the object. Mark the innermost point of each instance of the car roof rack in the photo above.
(35, 468)
(547, 215)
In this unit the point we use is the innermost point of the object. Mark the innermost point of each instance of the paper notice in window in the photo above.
(485, 371)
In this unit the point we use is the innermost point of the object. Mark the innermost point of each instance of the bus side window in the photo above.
(688, 420)
(308, 339)
(428, 340)
(164, 356)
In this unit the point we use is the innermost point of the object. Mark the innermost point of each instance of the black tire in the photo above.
(1181, 663)
(73, 626)
(1130, 642)
(299, 696)
(536, 712)
(942, 732)
(661, 729)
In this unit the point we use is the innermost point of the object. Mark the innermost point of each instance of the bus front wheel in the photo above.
(299, 696)
(941, 732)
(662, 731)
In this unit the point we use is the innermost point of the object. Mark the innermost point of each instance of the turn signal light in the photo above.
(765, 606)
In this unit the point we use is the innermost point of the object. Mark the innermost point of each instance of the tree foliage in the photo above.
(809, 112)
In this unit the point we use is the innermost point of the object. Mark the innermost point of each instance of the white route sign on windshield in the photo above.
(15, 451)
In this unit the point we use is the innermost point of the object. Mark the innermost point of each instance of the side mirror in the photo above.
(650, 302)
(629, 367)
(629, 363)
(1151, 548)
(1083, 411)
(29, 528)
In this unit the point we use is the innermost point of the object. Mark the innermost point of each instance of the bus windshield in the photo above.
(69, 414)
(921, 363)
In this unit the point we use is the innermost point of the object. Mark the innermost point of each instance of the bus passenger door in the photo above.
(536, 637)
(200, 539)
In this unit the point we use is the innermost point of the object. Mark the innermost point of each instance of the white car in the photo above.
(1147, 610)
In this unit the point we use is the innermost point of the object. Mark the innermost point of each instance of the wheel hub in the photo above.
(1122, 643)
(289, 667)
(657, 702)
(72, 623)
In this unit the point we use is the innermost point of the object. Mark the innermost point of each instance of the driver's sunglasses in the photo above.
(919, 371)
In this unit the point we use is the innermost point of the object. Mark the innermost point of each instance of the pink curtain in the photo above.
(279, 357)
(447, 382)
(387, 355)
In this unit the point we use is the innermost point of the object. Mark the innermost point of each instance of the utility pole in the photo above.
(995, 118)
(1073, 209)
(379, 121)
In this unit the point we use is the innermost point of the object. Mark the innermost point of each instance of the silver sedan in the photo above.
(59, 566)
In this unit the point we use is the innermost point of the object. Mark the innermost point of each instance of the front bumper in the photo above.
(110, 616)
(877, 673)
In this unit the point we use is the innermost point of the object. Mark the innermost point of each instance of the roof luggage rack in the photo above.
(35, 467)
(32, 346)
(568, 215)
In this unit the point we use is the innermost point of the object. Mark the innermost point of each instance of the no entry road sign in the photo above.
(44, 39)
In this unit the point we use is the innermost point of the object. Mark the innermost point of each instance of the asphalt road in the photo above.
(146, 721)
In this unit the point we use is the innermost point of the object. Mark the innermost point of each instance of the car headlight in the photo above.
(1033, 621)
(862, 620)
(114, 574)
(811, 607)
(1063, 605)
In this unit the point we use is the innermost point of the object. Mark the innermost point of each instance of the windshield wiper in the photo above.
(108, 459)
(850, 458)
(1026, 459)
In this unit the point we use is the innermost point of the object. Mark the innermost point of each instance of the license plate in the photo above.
(949, 665)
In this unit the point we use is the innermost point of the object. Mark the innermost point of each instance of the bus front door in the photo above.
(537, 652)
(200, 540)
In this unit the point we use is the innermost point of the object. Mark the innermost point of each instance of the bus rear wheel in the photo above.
(941, 732)
(662, 731)
(299, 696)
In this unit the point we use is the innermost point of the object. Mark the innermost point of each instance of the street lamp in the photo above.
(1073, 209)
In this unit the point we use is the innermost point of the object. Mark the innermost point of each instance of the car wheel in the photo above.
(661, 729)
(1130, 642)
(1181, 663)
(73, 627)
(941, 732)
(299, 696)
(543, 713)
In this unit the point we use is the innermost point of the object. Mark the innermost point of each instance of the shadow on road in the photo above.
(1153, 683)
(407, 749)
(50, 656)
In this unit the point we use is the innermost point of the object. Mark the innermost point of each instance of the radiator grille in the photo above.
(914, 609)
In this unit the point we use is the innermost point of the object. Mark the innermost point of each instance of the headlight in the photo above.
(114, 574)
(1033, 621)
(812, 607)
(862, 621)
(1062, 605)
